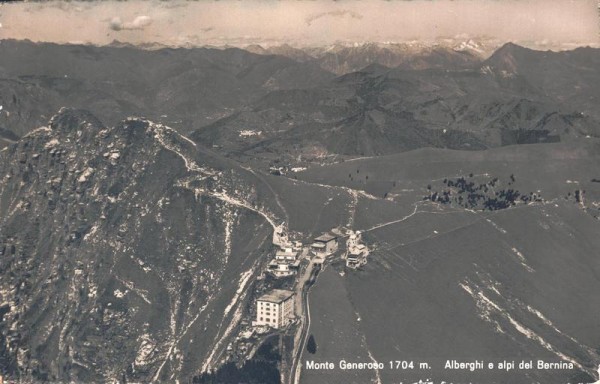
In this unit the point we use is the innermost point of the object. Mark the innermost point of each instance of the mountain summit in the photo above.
(116, 246)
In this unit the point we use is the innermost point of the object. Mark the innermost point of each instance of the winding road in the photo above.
(309, 277)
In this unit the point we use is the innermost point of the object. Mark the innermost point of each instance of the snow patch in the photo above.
(468, 45)
(244, 278)
(534, 336)
(486, 307)
(249, 133)
(377, 374)
(499, 228)
(228, 219)
(549, 323)
(182, 334)
(235, 319)
(91, 232)
(522, 259)
(486, 70)
(140, 292)
(145, 350)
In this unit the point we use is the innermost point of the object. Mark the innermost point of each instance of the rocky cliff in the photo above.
(122, 250)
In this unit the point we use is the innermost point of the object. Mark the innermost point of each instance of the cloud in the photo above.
(172, 4)
(116, 24)
(341, 13)
(140, 22)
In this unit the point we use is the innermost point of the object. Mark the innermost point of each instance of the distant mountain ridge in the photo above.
(185, 88)
(345, 58)
(396, 97)
(517, 96)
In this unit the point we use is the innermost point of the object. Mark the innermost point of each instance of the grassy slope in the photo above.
(336, 332)
(410, 297)
(413, 306)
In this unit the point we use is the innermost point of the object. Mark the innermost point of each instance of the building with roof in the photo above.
(285, 263)
(287, 254)
(275, 308)
(280, 236)
(356, 252)
(357, 256)
(324, 245)
(354, 238)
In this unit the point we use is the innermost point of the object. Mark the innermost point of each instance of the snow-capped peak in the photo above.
(469, 45)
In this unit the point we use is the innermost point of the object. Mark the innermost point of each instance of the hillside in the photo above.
(444, 282)
(116, 82)
(154, 241)
(116, 244)
(381, 111)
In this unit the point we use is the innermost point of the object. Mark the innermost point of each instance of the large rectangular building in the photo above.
(275, 308)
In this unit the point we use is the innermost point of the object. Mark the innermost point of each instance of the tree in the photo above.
(311, 345)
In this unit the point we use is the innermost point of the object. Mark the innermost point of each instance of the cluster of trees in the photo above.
(261, 369)
(467, 193)
(252, 372)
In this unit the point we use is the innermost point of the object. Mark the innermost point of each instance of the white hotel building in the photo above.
(275, 308)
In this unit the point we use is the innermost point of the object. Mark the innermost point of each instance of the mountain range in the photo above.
(244, 102)
(345, 58)
(140, 190)
(380, 110)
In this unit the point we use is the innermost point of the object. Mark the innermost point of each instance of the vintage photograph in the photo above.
(300, 191)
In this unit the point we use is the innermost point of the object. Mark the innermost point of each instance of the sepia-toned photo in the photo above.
(300, 191)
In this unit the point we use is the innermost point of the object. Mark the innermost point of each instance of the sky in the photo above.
(534, 23)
